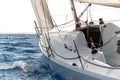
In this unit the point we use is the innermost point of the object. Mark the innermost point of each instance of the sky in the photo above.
(17, 16)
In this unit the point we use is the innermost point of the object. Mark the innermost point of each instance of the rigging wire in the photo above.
(90, 13)
(47, 35)
(77, 56)
(40, 24)
(72, 58)
(110, 40)
(58, 31)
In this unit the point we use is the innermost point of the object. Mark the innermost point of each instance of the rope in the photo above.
(49, 46)
(79, 57)
(58, 32)
(90, 14)
(85, 61)
(65, 23)
(110, 40)
(62, 56)
(100, 65)
(53, 50)
(45, 25)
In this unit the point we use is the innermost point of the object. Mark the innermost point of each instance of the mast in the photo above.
(77, 21)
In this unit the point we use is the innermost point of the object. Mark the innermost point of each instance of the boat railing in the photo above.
(103, 66)
(81, 59)
(37, 29)
(84, 61)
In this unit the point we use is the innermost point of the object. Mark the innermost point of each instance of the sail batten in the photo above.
(111, 3)
(43, 15)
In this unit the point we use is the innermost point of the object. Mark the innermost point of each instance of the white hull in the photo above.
(92, 71)
(72, 73)
(88, 52)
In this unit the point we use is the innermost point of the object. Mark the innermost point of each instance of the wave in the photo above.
(5, 66)
(30, 51)
(17, 44)
(30, 71)
(21, 50)
(6, 57)
(23, 44)
(17, 64)
(17, 61)
(10, 49)
(5, 43)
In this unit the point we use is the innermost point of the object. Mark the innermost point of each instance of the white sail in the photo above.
(43, 15)
(112, 3)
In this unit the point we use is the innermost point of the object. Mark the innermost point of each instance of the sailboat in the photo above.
(83, 51)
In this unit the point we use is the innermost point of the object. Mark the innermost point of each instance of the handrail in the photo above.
(83, 59)
(77, 57)
(62, 56)
(109, 67)
(100, 65)
(39, 32)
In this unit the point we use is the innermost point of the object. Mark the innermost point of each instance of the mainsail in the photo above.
(112, 3)
(43, 15)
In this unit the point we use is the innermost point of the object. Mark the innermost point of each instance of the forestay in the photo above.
(43, 15)
(112, 3)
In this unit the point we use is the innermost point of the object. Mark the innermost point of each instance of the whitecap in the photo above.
(6, 66)
(21, 64)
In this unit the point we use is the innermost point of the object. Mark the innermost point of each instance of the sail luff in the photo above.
(36, 11)
(111, 3)
(42, 14)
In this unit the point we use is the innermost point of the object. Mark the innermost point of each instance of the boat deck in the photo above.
(113, 59)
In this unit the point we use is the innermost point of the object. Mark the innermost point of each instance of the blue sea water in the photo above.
(21, 59)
